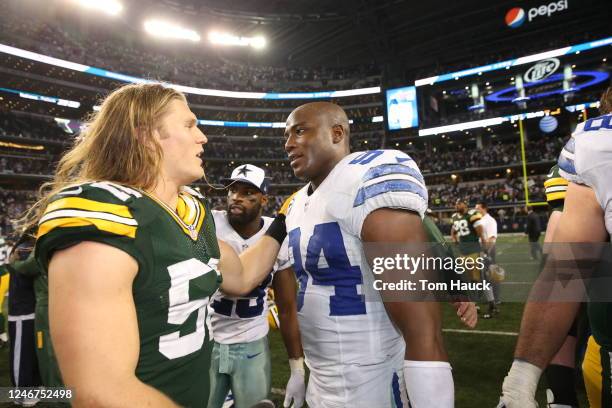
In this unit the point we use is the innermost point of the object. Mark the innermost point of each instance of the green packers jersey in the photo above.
(435, 236)
(442, 249)
(177, 253)
(600, 315)
(465, 228)
(555, 187)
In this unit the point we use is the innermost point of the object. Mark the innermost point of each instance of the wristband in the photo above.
(297, 365)
(278, 229)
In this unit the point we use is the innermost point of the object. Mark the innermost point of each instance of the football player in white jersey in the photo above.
(360, 354)
(241, 356)
(586, 162)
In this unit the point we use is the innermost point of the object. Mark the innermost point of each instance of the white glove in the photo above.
(518, 390)
(509, 402)
(296, 386)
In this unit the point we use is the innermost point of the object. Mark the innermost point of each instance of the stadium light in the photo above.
(110, 7)
(164, 29)
(257, 42)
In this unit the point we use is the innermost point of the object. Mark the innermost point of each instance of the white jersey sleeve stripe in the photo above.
(127, 190)
(113, 190)
(555, 189)
(393, 177)
(87, 214)
(386, 169)
(389, 186)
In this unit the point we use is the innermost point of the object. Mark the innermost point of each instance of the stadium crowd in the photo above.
(25, 165)
(494, 193)
(13, 204)
(127, 56)
(266, 116)
(499, 154)
(38, 128)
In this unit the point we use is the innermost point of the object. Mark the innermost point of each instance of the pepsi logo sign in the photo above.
(515, 17)
(541, 70)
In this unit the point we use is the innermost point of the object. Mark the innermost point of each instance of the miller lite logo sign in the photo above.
(541, 70)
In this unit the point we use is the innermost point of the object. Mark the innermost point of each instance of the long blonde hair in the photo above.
(117, 144)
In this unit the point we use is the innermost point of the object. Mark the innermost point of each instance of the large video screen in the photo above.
(506, 88)
(402, 112)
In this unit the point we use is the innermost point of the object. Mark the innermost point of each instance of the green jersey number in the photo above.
(173, 345)
(5, 253)
(461, 227)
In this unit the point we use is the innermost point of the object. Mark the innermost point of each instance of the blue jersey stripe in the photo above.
(388, 186)
(397, 396)
(567, 165)
(392, 168)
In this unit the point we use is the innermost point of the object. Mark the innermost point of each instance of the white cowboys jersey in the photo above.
(587, 159)
(343, 336)
(242, 319)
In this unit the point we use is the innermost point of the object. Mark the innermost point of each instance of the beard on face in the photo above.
(247, 215)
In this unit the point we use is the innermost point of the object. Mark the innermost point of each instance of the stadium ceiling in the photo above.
(401, 35)
(413, 33)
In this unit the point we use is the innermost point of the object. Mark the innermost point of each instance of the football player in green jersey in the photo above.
(127, 247)
(467, 232)
(466, 229)
(466, 310)
(5, 252)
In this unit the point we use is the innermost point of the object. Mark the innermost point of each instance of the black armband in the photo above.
(278, 229)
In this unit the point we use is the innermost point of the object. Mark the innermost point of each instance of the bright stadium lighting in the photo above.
(164, 29)
(257, 42)
(110, 7)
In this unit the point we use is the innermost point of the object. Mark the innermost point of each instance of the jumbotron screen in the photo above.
(505, 88)
(402, 112)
